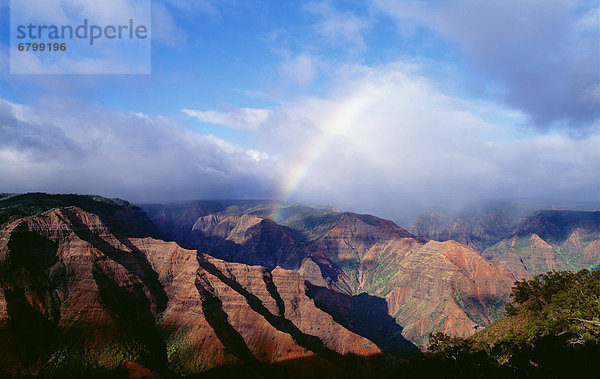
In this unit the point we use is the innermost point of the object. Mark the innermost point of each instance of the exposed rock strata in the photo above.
(67, 283)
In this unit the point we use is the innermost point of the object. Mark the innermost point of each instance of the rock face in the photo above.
(440, 226)
(427, 287)
(246, 238)
(68, 281)
(354, 244)
(550, 240)
(74, 296)
(526, 244)
(355, 261)
(447, 287)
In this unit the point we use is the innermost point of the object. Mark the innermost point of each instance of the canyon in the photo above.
(88, 283)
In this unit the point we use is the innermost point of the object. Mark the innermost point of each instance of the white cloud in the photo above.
(258, 155)
(302, 69)
(389, 141)
(237, 118)
(72, 11)
(62, 145)
(540, 55)
(590, 21)
(338, 27)
(165, 28)
(168, 14)
(195, 6)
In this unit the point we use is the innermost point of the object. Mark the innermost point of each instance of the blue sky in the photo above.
(361, 104)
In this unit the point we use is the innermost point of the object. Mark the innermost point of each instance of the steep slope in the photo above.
(178, 219)
(266, 233)
(67, 283)
(248, 239)
(448, 287)
(432, 287)
(119, 215)
(352, 245)
(75, 297)
(440, 226)
(550, 240)
(353, 261)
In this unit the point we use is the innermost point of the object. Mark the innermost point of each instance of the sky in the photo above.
(377, 106)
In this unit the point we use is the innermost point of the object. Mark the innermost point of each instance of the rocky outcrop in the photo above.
(447, 287)
(68, 281)
(356, 244)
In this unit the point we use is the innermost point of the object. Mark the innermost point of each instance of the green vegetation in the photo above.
(551, 329)
(368, 219)
(73, 361)
(5, 195)
(182, 355)
(573, 258)
(379, 280)
(458, 300)
(494, 307)
(312, 223)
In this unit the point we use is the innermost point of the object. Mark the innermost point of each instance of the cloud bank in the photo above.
(542, 57)
(386, 141)
(62, 145)
(389, 141)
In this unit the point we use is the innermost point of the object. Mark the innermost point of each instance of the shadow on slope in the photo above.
(556, 226)
(364, 315)
(268, 244)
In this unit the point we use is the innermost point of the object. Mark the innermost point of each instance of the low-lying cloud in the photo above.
(387, 140)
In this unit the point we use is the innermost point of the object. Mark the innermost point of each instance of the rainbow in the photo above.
(337, 121)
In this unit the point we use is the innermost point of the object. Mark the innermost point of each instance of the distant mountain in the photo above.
(478, 228)
(241, 231)
(527, 242)
(78, 299)
(177, 219)
(550, 240)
